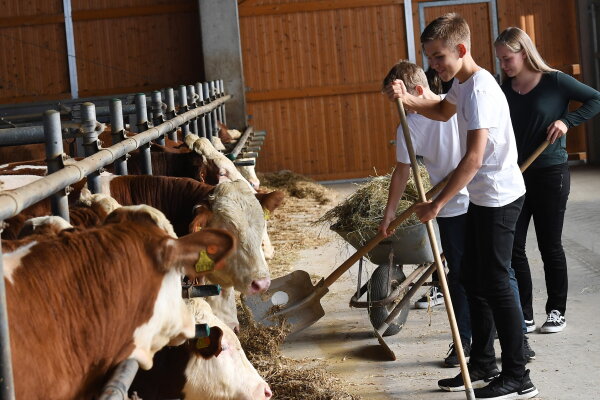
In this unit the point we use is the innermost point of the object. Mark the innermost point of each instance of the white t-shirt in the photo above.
(481, 104)
(438, 143)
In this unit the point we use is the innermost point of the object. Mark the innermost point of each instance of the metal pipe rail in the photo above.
(14, 201)
(240, 143)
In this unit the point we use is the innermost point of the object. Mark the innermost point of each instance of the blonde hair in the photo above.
(517, 40)
(451, 28)
(410, 73)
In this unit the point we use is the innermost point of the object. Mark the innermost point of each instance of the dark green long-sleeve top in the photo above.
(533, 112)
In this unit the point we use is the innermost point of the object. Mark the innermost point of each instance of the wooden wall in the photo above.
(313, 71)
(122, 46)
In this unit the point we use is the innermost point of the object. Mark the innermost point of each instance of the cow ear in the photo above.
(270, 201)
(201, 252)
(202, 214)
(210, 346)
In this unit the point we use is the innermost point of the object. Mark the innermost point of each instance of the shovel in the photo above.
(294, 297)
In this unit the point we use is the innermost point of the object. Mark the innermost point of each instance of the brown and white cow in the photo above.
(219, 371)
(81, 302)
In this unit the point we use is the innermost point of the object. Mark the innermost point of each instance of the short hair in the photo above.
(450, 28)
(410, 73)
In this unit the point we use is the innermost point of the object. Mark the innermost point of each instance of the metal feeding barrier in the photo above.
(200, 107)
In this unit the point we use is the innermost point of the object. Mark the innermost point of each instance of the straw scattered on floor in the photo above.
(362, 212)
(298, 186)
(291, 227)
(289, 379)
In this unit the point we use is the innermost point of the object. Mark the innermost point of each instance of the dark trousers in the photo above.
(486, 278)
(546, 201)
(452, 235)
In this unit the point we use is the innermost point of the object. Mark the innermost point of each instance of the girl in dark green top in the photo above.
(538, 97)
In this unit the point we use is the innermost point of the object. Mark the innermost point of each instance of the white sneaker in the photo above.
(555, 323)
(434, 296)
(530, 325)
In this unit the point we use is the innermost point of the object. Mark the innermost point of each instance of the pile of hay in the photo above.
(362, 212)
(297, 185)
(289, 379)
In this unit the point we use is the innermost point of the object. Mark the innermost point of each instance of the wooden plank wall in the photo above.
(314, 71)
(136, 45)
(122, 46)
(33, 51)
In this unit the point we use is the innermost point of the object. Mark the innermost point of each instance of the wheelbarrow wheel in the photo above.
(381, 285)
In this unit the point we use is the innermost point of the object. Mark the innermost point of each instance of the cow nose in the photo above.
(260, 285)
(268, 393)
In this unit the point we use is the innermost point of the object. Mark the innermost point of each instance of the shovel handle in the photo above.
(534, 155)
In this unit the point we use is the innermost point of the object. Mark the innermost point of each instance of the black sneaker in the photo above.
(527, 350)
(555, 323)
(530, 325)
(504, 387)
(479, 378)
(452, 357)
(434, 296)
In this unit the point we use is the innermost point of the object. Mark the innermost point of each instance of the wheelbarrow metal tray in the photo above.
(410, 244)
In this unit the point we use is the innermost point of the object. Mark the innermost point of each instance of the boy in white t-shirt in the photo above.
(489, 170)
(439, 145)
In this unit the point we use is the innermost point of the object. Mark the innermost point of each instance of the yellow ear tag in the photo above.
(198, 228)
(267, 214)
(204, 263)
(202, 343)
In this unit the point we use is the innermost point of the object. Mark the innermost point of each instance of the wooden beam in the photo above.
(8, 22)
(125, 12)
(581, 155)
(289, 8)
(282, 94)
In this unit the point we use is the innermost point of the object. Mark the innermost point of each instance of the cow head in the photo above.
(234, 207)
(221, 370)
(195, 255)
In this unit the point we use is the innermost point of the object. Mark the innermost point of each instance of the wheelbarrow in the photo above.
(388, 284)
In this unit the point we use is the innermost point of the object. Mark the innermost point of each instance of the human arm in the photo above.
(433, 109)
(572, 89)
(397, 186)
(463, 174)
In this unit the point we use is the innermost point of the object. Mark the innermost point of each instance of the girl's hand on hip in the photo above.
(556, 130)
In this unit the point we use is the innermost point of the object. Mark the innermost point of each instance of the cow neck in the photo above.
(81, 293)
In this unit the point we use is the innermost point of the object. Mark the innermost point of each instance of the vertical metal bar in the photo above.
(191, 94)
(71, 58)
(410, 32)
(183, 107)
(7, 389)
(54, 154)
(213, 113)
(90, 141)
(141, 115)
(219, 93)
(157, 114)
(208, 119)
(170, 100)
(202, 119)
(118, 133)
(224, 116)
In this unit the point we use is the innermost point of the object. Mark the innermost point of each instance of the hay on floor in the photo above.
(289, 379)
(363, 211)
(297, 185)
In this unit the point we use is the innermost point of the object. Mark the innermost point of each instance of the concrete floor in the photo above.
(567, 364)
